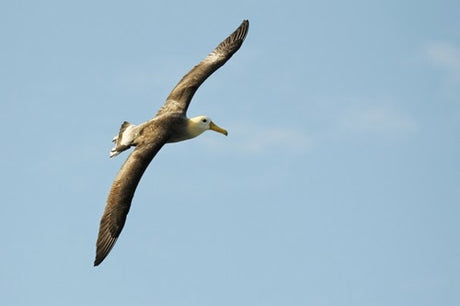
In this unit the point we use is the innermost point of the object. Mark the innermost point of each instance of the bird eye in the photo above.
(204, 120)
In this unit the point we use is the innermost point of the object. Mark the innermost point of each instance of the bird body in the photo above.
(170, 124)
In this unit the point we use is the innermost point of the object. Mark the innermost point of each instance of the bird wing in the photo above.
(180, 97)
(122, 192)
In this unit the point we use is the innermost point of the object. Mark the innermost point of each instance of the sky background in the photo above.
(337, 185)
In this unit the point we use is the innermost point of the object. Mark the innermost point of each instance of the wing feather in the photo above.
(120, 197)
(180, 97)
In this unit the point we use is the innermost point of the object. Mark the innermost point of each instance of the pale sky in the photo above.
(337, 185)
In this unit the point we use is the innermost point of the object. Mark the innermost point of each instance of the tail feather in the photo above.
(124, 139)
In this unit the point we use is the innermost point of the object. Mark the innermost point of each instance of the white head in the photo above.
(198, 125)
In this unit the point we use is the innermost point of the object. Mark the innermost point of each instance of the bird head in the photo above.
(203, 123)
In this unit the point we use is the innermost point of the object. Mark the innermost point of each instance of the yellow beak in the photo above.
(215, 127)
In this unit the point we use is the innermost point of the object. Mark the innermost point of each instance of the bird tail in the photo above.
(124, 139)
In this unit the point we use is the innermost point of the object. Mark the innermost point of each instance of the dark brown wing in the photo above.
(121, 194)
(180, 97)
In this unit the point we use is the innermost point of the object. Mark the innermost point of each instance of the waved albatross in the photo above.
(170, 124)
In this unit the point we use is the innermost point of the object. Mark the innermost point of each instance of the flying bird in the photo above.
(170, 124)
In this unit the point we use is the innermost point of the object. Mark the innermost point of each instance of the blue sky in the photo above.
(337, 185)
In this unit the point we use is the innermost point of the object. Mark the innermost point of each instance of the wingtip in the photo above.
(243, 29)
(96, 262)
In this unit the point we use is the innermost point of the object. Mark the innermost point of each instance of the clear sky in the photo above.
(337, 185)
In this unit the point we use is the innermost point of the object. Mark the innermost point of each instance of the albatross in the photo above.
(170, 124)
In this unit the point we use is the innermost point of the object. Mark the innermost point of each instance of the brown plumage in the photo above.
(170, 124)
